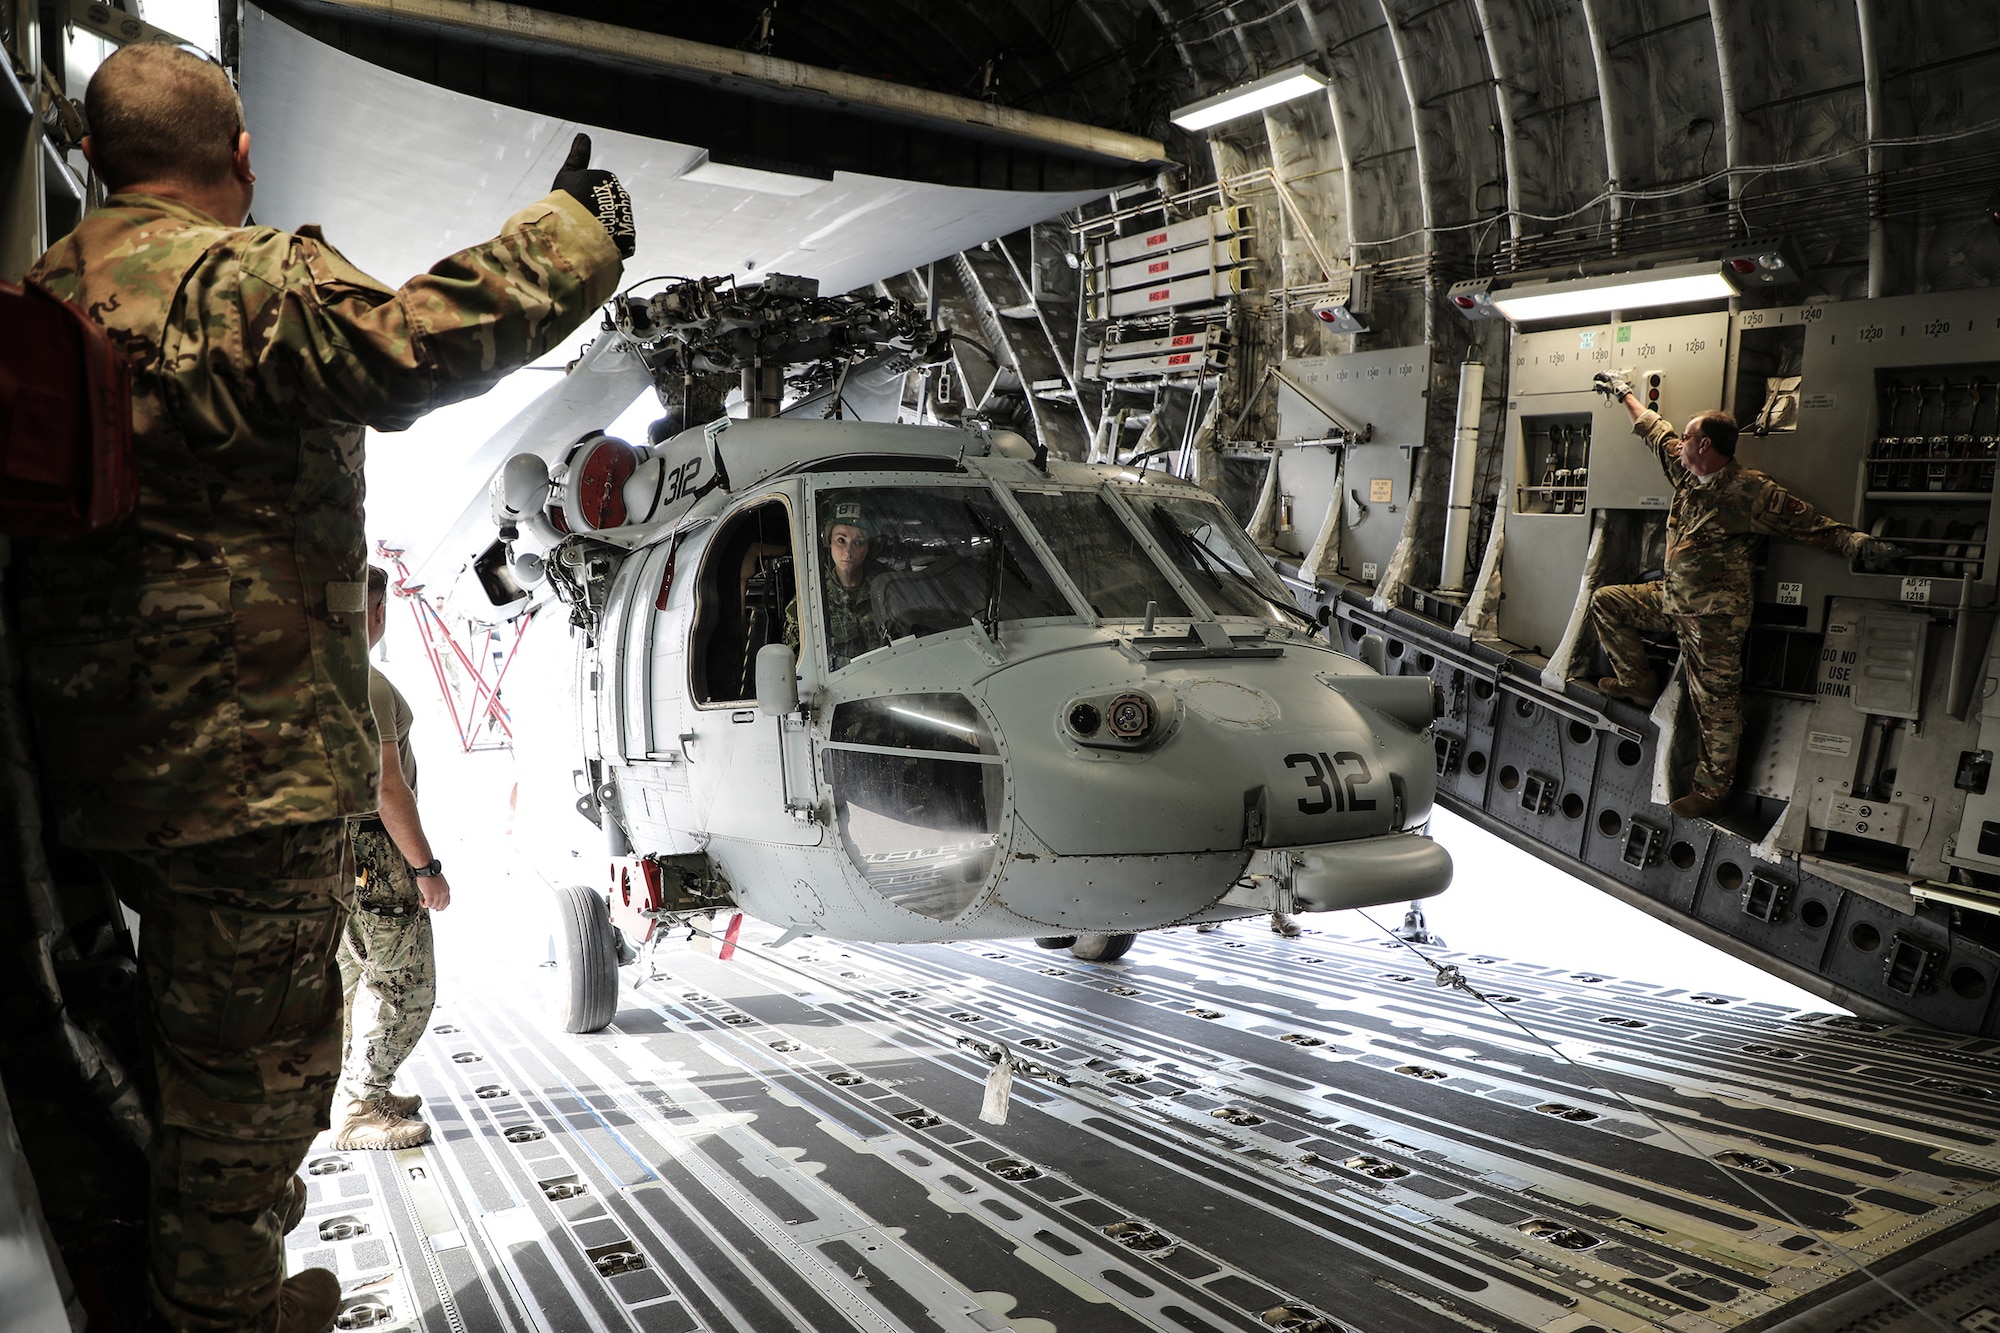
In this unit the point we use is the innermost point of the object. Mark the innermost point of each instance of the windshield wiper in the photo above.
(1215, 563)
(998, 560)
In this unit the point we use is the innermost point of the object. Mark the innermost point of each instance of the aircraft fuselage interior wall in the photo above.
(1869, 699)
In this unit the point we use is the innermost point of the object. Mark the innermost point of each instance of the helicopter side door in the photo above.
(641, 656)
(750, 775)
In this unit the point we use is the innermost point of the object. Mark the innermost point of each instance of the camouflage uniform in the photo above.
(853, 625)
(387, 946)
(236, 952)
(1713, 528)
(198, 676)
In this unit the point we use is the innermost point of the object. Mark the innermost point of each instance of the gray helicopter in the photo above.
(922, 683)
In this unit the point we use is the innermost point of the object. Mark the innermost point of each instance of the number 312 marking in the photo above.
(1337, 790)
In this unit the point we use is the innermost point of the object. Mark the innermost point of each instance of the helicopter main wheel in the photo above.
(1054, 941)
(1102, 948)
(589, 963)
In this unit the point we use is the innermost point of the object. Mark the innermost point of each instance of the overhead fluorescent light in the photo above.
(705, 170)
(1679, 284)
(1286, 84)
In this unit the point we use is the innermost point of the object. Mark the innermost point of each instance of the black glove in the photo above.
(1879, 557)
(600, 192)
(1612, 385)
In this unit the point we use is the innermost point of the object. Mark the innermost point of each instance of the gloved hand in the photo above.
(1879, 557)
(1612, 385)
(600, 192)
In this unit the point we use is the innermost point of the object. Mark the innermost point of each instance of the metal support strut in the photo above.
(481, 720)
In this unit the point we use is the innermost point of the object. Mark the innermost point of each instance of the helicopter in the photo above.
(919, 683)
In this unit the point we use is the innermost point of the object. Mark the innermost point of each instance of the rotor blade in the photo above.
(603, 383)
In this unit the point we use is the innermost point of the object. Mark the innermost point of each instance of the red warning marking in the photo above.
(1180, 360)
(1160, 266)
(1160, 295)
(1157, 238)
(729, 937)
(1183, 340)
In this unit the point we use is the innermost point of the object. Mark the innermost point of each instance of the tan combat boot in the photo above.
(308, 1301)
(404, 1104)
(1695, 805)
(371, 1124)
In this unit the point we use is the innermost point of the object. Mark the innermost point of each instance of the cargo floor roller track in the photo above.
(1256, 1133)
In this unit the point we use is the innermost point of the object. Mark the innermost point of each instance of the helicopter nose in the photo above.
(1144, 797)
(1202, 762)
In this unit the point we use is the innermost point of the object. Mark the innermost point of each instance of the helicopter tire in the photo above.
(589, 965)
(1054, 941)
(1102, 948)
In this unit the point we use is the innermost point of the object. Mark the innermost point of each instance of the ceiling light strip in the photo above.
(1246, 99)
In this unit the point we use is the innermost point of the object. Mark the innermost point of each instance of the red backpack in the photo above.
(66, 461)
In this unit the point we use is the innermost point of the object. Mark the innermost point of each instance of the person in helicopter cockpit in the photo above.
(856, 622)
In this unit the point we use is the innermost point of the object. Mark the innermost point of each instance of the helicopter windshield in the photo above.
(1214, 554)
(915, 560)
(1100, 554)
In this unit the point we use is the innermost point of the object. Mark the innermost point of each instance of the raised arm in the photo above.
(1657, 432)
(332, 344)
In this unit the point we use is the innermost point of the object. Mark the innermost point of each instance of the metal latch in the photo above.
(1642, 844)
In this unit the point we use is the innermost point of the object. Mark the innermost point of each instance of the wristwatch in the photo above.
(436, 867)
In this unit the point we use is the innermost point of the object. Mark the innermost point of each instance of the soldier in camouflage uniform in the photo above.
(1720, 511)
(850, 593)
(198, 675)
(387, 950)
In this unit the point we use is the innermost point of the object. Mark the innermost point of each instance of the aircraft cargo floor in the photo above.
(1257, 1133)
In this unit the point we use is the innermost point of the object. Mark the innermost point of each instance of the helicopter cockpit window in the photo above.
(946, 722)
(918, 791)
(916, 560)
(747, 581)
(1101, 555)
(1213, 553)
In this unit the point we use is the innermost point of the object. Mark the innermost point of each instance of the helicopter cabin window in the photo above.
(1103, 558)
(896, 561)
(1213, 553)
(746, 584)
(918, 791)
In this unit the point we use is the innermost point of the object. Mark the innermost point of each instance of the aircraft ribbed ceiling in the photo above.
(1467, 135)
